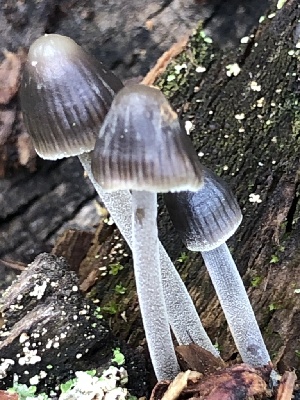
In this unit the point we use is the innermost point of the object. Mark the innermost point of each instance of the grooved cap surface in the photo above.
(65, 95)
(143, 146)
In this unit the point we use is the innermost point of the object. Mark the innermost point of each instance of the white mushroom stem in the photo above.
(149, 285)
(236, 305)
(182, 315)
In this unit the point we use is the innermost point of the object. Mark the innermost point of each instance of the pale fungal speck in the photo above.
(273, 162)
(78, 356)
(200, 69)
(261, 19)
(75, 288)
(239, 117)
(23, 337)
(255, 86)
(260, 164)
(245, 39)
(280, 4)
(241, 130)
(232, 69)
(291, 52)
(188, 126)
(34, 380)
(200, 154)
(225, 168)
(210, 112)
(272, 15)
(254, 198)
(34, 63)
(38, 290)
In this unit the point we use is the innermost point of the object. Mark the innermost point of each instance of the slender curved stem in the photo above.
(236, 305)
(149, 285)
(181, 311)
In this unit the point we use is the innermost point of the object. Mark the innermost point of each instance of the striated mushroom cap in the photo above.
(207, 218)
(143, 146)
(65, 95)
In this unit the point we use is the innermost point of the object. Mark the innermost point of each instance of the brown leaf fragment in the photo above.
(286, 386)
(4, 395)
(195, 358)
(10, 72)
(233, 383)
(177, 386)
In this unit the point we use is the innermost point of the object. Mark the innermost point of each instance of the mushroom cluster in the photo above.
(66, 98)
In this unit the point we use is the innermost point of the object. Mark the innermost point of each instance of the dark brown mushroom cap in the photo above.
(207, 218)
(143, 146)
(65, 95)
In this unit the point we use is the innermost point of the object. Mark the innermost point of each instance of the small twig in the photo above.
(19, 266)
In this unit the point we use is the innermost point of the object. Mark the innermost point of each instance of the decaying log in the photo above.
(51, 330)
(244, 112)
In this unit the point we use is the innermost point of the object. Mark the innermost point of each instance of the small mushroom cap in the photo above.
(143, 146)
(207, 218)
(65, 95)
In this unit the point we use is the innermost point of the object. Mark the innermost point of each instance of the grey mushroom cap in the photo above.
(65, 94)
(207, 218)
(143, 146)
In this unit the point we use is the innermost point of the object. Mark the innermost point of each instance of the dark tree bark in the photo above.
(246, 128)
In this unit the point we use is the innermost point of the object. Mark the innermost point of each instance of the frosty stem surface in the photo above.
(181, 311)
(149, 284)
(236, 305)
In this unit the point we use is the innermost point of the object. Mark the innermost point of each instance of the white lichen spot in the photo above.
(200, 69)
(255, 86)
(241, 130)
(245, 39)
(261, 19)
(291, 52)
(260, 102)
(188, 127)
(232, 69)
(254, 198)
(30, 357)
(38, 290)
(75, 288)
(179, 67)
(280, 4)
(123, 316)
(34, 63)
(34, 380)
(273, 162)
(239, 117)
(5, 364)
(210, 112)
(272, 15)
(225, 168)
(200, 154)
(260, 164)
(23, 337)
(78, 356)
(274, 139)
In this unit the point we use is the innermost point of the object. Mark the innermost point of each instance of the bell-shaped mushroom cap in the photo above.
(207, 218)
(143, 146)
(65, 95)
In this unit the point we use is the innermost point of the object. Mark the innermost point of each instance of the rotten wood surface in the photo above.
(52, 330)
(246, 128)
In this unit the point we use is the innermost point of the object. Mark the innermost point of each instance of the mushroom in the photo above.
(65, 95)
(205, 220)
(142, 147)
